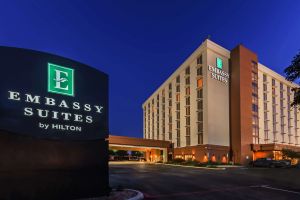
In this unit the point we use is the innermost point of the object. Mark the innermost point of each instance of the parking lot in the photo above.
(158, 181)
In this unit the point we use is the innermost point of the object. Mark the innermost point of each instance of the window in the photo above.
(200, 138)
(254, 85)
(178, 115)
(187, 91)
(170, 86)
(178, 106)
(170, 131)
(178, 88)
(265, 97)
(200, 104)
(188, 110)
(199, 83)
(200, 116)
(187, 101)
(200, 93)
(188, 141)
(178, 79)
(264, 78)
(178, 141)
(254, 108)
(178, 124)
(199, 71)
(187, 81)
(265, 87)
(199, 60)
(177, 97)
(254, 77)
(265, 106)
(200, 127)
(187, 71)
(188, 121)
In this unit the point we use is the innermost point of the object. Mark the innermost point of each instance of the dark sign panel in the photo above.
(47, 96)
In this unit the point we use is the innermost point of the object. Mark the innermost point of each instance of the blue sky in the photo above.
(140, 43)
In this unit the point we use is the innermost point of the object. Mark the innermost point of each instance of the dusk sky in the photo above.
(140, 43)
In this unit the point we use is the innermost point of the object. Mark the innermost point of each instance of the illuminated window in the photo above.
(199, 83)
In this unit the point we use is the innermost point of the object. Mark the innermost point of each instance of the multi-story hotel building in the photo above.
(223, 105)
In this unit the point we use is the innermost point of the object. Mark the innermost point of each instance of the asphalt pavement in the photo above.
(163, 182)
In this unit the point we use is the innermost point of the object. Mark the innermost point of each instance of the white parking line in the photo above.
(278, 189)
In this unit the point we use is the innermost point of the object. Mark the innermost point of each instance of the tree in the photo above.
(287, 153)
(111, 152)
(121, 153)
(136, 153)
(292, 73)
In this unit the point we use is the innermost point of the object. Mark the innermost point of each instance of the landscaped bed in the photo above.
(194, 163)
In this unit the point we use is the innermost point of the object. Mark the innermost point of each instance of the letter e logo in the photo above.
(60, 80)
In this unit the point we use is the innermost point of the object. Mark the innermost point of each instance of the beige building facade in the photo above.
(208, 115)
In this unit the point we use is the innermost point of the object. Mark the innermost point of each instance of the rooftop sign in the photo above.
(218, 73)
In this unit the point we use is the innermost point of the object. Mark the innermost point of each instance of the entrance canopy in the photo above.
(155, 150)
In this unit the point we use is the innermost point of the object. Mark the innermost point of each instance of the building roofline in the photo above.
(205, 44)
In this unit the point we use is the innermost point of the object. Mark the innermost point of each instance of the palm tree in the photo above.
(292, 73)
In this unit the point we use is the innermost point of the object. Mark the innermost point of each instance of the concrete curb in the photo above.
(139, 195)
(195, 167)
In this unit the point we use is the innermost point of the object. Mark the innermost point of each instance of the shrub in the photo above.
(178, 160)
(191, 162)
(211, 166)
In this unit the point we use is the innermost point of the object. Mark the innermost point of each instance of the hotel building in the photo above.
(222, 106)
